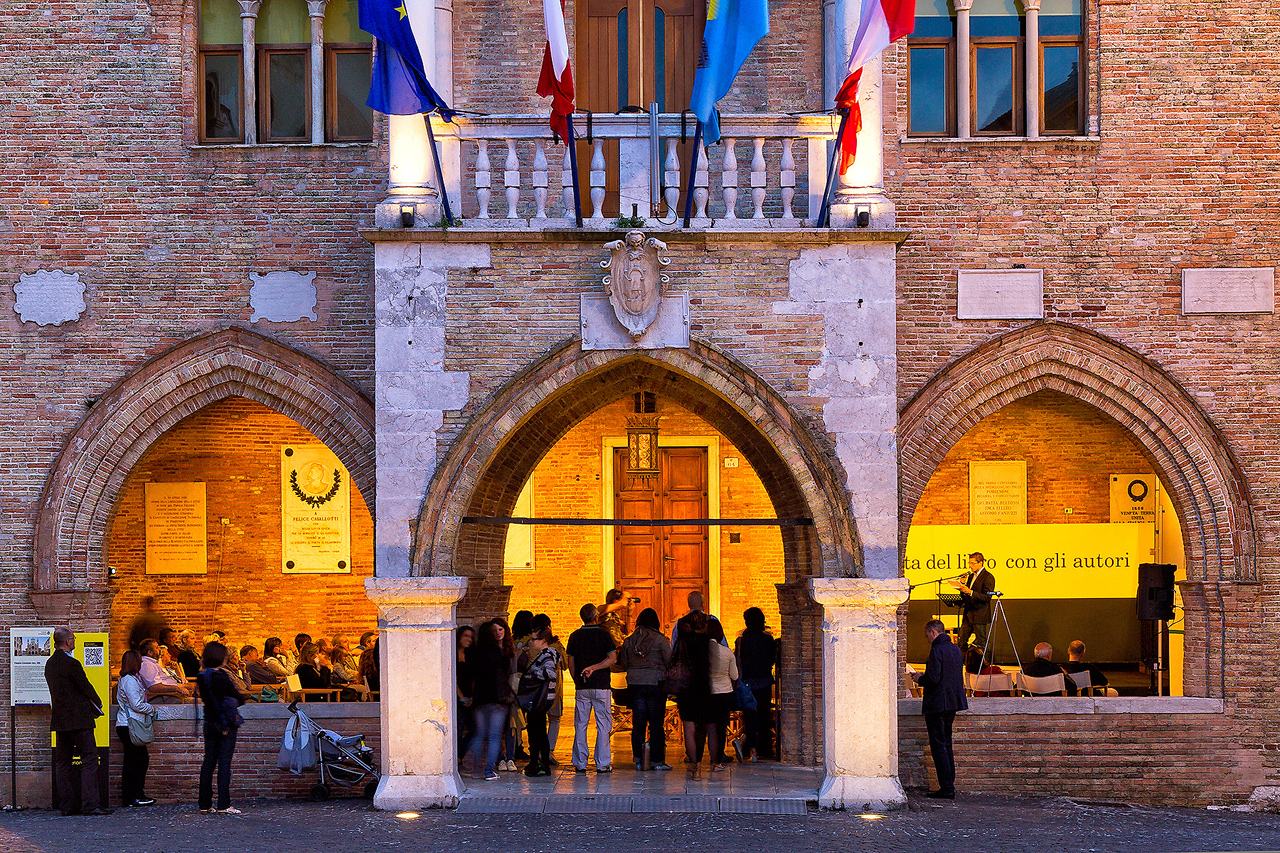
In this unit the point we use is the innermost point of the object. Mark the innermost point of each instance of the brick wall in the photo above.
(234, 448)
(1070, 449)
(568, 560)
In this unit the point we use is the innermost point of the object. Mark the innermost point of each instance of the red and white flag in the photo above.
(556, 79)
(880, 23)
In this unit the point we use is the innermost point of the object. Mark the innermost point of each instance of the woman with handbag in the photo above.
(222, 721)
(135, 727)
(722, 673)
(538, 687)
(757, 653)
(646, 655)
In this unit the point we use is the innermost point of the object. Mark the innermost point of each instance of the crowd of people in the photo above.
(509, 681)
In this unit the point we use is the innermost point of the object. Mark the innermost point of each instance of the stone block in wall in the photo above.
(49, 297)
(1229, 290)
(1000, 294)
(282, 296)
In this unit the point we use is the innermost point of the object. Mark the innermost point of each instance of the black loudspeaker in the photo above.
(1155, 591)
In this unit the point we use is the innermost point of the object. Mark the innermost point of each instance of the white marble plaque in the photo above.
(315, 503)
(176, 529)
(601, 328)
(1229, 290)
(283, 296)
(49, 297)
(998, 492)
(1000, 295)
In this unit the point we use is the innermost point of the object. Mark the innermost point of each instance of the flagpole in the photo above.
(824, 211)
(693, 166)
(572, 142)
(435, 154)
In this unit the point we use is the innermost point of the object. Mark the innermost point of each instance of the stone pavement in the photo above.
(973, 822)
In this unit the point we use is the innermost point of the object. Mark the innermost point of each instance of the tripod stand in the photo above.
(998, 616)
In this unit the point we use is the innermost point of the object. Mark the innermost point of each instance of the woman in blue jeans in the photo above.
(222, 720)
(491, 697)
(646, 654)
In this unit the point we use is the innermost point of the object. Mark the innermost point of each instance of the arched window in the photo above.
(306, 80)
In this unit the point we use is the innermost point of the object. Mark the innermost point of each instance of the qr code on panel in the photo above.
(93, 656)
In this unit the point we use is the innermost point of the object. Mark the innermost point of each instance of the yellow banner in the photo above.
(91, 651)
(1032, 560)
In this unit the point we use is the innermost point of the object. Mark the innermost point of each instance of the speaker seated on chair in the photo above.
(1155, 592)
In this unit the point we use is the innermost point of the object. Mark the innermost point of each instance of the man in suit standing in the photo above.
(75, 707)
(943, 685)
(975, 598)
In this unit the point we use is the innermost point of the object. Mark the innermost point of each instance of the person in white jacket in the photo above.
(131, 699)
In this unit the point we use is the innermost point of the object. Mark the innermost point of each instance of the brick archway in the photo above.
(483, 471)
(69, 574)
(1190, 456)
(1204, 482)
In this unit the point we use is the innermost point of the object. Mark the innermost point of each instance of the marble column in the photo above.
(416, 650)
(315, 10)
(411, 173)
(863, 184)
(860, 692)
(249, 77)
(1033, 68)
(964, 120)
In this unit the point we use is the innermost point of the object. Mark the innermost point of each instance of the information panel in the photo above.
(29, 649)
(176, 529)
(315, 503)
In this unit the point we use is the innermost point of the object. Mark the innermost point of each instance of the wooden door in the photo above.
(662, 565)
(631, 53)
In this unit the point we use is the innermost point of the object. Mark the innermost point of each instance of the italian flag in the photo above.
(880, 23)
(556, 79)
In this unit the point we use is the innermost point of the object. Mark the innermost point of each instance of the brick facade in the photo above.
(103, 177)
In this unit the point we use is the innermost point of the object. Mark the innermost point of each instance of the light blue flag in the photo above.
(732, 31)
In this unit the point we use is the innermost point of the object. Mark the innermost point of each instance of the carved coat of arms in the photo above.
(634, 284)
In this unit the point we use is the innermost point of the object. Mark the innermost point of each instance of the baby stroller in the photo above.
(345, 761)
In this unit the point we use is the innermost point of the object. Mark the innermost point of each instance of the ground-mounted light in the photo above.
(871, 816)
(408, 815)
(406, 215)
(642, 446)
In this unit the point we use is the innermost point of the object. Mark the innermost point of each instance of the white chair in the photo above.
(1083, 681)
(1044, 686)
(995, 682)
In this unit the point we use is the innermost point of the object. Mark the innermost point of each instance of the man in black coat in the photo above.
(75, 707)
(975, 598)
(943, 685)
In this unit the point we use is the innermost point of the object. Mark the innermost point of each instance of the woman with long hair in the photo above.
(369, 673)
(513, 741)
(275, 657)
(492, 696)
(646, 654)
(466, 714)
(757, 653)
(312, 671)
(131, 698)
(556, 712)
(694, 702)
(221, 722)
(723, 671)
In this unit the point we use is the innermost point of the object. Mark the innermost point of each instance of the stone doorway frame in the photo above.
(69, 579)
(844, 659)
(1190, 456)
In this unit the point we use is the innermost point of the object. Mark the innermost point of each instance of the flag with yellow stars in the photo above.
(400, 85)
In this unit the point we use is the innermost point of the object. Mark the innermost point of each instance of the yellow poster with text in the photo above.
(91, 651)
(1032, 560)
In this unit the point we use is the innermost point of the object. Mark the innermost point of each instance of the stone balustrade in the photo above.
(507, 171)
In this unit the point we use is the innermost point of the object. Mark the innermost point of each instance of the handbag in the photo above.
(533, 694)
(142, 732)
(678, 677)
(743, 698)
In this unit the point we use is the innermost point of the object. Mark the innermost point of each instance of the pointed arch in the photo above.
(1188, 452)
(81, 491)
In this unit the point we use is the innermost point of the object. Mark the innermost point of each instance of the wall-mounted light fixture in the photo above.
(642, 446)
(862, 215)
(406, 215)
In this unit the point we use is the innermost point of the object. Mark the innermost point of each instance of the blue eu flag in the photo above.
(399, 85)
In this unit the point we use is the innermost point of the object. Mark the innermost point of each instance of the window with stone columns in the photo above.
(283, 71)
(997, 68)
